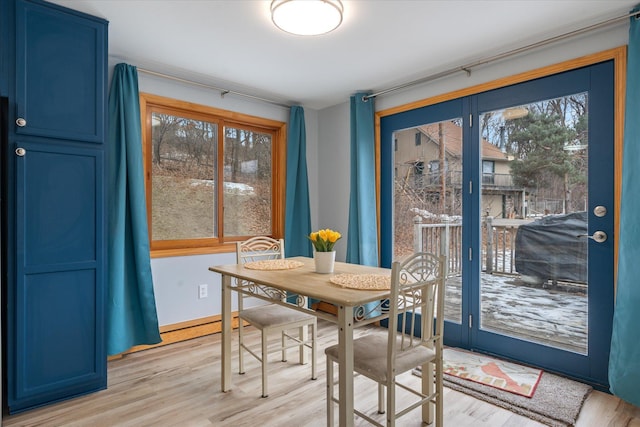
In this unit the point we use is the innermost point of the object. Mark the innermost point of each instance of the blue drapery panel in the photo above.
(297, 224)
(624, 366)
(362, 239)
(131, 309)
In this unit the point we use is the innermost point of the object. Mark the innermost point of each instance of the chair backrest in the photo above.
(259, 248)
(417, 316)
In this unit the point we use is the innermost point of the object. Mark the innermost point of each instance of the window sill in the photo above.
(165, 253)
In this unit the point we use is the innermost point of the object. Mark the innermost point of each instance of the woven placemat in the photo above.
(362, 281)
(273, 264)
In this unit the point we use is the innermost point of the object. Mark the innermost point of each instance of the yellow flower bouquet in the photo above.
(323, 240)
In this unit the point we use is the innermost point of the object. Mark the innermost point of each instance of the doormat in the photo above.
(517, 379)
(557, 401)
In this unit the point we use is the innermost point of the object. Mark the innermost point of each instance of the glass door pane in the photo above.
(533, 280)
(428, 200)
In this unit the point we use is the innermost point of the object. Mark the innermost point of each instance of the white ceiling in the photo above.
(381, 43)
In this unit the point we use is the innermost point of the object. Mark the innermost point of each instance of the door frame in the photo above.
(617, 55)
(590, 367)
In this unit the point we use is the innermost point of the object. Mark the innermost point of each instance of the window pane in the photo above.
(533, 212)
(183, 178)
(247, 182)
(428, 200)
(488, 169)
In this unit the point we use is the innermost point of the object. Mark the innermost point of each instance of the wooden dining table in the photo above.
(302, 283)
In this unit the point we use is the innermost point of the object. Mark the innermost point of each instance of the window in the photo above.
(435, 174)
(418, 170)
(488, 171)
(213, 177)
(418, 138)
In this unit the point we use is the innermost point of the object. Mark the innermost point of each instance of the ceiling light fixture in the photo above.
(307, 17)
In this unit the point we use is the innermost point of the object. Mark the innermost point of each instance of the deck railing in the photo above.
(445, 238)
(454, 179)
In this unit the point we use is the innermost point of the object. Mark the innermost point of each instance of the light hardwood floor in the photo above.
(179, 385)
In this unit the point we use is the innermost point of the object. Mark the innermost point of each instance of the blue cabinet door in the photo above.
(55, 192)
(58, 346)
(60, 73)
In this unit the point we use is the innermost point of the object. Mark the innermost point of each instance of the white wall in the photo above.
(176, 279)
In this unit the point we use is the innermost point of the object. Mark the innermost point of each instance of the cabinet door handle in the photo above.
(21, 151)
(21, 122)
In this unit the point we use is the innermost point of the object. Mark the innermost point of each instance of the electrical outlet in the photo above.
(203, 291)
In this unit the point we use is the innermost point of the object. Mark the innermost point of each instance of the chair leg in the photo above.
(314, 339)
(264, 358)
(302, 336)
(284, 343)
(391, 402)
(428, 384)
(240, 348)
(440, 397)
(329, 374)
(381, 404)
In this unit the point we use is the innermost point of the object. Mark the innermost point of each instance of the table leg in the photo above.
(226, 333)
(345, 357)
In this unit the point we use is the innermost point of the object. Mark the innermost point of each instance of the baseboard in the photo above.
(183, 331)
(201, 327)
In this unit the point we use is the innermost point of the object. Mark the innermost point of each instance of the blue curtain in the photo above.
(362, 239)
(624, 366)
(297, 223)
(131, 310)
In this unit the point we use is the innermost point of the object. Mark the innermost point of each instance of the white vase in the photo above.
(325, 261)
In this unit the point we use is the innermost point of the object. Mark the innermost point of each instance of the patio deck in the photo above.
(554, 316)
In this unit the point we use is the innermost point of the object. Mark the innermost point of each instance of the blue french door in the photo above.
(515, 187)
(412, 176)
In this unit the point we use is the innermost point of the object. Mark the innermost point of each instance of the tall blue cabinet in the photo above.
(54, 73)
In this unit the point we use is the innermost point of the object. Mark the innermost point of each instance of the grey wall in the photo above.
(176, 279)
(333, 181)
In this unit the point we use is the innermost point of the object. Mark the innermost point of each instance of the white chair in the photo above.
(416, 307)
(272, 318)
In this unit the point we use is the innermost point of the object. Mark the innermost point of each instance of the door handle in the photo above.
(598, 236)
(20, 151)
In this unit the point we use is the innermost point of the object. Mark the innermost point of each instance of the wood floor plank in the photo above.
(179, 385)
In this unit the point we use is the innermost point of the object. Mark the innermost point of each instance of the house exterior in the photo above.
(428, 162)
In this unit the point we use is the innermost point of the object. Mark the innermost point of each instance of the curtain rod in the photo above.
(467, 68)
(222, 91)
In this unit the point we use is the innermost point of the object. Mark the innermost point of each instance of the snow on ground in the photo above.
(555, 316)
(229, 187)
